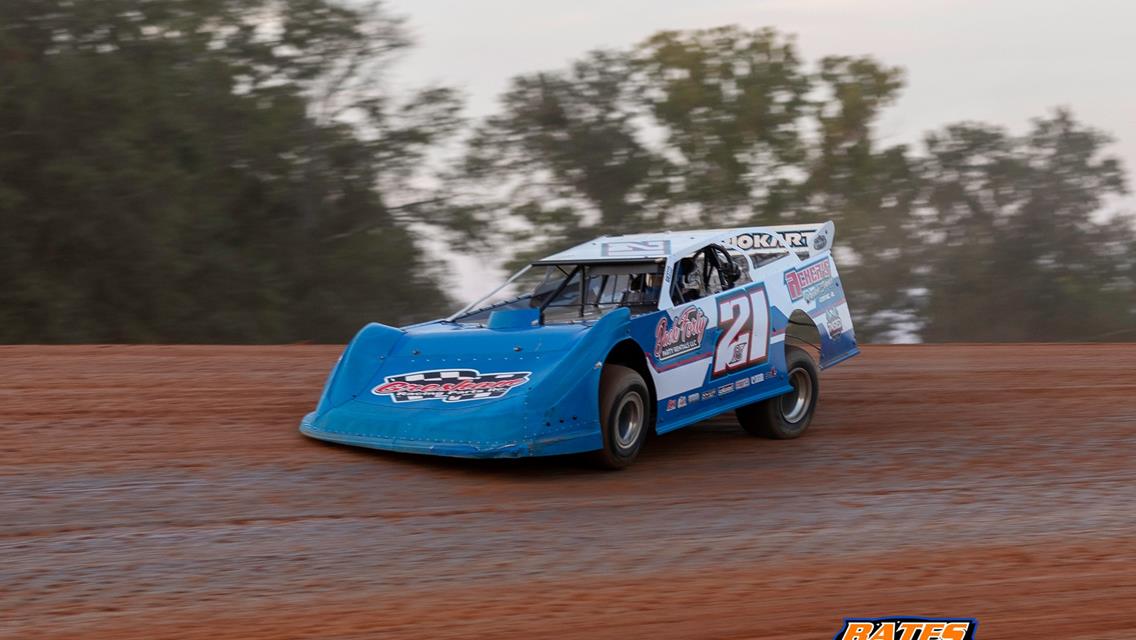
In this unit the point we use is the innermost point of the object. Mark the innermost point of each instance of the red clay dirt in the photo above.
(164, 492)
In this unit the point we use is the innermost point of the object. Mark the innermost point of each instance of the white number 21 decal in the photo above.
(744, 339)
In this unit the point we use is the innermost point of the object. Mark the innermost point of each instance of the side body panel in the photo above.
(727, 350)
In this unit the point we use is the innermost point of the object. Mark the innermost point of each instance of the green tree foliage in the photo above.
(1013, 251)
(204, 170)
(732, 105)
(867, 190)
(564, 156)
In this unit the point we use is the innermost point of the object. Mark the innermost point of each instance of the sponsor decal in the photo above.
(706, 395)
(738, 355)
(628, 248)
(681, 402)
(682, 337)
(833, 322)
(671, 404)
(692, 398)
(741, 384)
(450, 385)
(750, 241)
(907, 628)
(726, 388)
(756, 378)
(811, 282)
(820, 241)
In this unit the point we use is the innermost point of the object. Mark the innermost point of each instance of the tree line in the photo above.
(239, 171)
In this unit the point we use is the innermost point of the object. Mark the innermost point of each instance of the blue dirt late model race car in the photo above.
(590, 349)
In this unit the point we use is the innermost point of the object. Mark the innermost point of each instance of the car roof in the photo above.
(659, 246)
(634, 247)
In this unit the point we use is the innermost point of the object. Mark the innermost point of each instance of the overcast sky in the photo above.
(998, 61)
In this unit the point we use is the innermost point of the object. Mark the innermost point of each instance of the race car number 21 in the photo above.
(743, 340)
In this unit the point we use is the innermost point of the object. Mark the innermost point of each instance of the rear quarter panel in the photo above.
(814, 287)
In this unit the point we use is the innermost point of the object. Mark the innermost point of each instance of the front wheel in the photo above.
(786, 416)
(625, 416)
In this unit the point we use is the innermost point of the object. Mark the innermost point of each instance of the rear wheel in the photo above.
(786, 416)
(625, 416)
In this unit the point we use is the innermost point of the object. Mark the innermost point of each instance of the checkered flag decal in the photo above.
(452, 385)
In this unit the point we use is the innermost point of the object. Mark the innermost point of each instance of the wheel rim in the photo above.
(628, 420)
(795, 404)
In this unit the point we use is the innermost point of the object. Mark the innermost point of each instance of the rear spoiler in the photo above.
(802, 239)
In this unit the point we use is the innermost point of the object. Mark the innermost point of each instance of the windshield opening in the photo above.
(572, 292)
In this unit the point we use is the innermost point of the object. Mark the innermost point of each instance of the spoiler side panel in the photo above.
(814, 286)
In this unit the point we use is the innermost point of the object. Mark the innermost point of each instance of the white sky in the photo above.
(998, 61)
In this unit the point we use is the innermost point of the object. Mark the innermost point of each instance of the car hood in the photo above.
(454, 364)
(441, 339)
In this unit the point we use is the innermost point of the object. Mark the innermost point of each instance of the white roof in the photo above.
(649, 247)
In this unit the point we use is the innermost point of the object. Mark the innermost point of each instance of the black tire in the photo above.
(786, 416)
(625, 416)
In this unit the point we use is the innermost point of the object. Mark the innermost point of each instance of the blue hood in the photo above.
(379, 351)
(528, 354)
(440, 339)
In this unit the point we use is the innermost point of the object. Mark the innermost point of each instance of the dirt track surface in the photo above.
(156, 492)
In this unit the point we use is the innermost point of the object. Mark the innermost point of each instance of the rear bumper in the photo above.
(541, 445)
